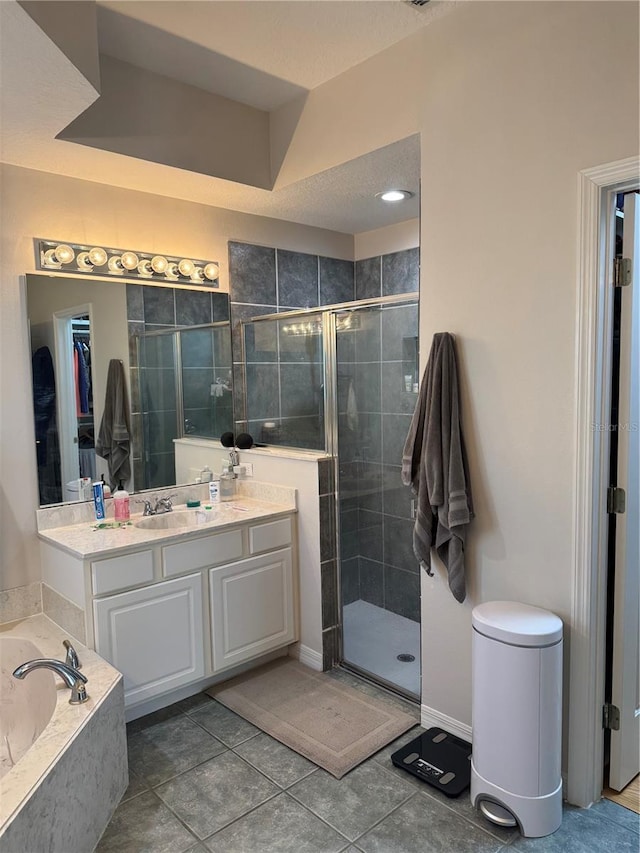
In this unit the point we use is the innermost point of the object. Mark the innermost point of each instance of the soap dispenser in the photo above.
(227, 483)
(121, 503)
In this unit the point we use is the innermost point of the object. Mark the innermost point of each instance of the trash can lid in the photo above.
(517, 624)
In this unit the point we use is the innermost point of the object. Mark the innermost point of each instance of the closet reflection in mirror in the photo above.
(175, 347)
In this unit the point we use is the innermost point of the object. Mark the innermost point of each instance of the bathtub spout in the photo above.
(72, 658)
(74, 680)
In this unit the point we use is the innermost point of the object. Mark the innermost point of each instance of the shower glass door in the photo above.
(376, 383)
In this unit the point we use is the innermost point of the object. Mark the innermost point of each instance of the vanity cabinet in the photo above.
(173, 611)
(153, 635)
(251, 608)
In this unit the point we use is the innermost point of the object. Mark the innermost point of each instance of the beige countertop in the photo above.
(87, 541)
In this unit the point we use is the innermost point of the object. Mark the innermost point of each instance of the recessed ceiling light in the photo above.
(394, 195)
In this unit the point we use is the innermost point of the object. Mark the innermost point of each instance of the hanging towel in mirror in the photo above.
(114, 437)
(434, 464)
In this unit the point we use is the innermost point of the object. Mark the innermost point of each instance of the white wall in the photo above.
(36, 204)
(532, 94)
(382, 241)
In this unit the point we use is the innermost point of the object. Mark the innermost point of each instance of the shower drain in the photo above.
(405, 657)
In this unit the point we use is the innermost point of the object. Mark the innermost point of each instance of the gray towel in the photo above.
(434, 464)
(114, 437)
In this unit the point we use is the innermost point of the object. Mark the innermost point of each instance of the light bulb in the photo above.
(97, 256)
(394, 195)
(159, 264)
(144, 268)
(197, 274)
(115, 264)
(172, 270)
(64, 253)
(84, 262)
(186, 267)
(212, 271)
(50, 259)
(129, 260)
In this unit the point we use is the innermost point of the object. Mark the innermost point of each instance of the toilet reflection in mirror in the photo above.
(175, 346)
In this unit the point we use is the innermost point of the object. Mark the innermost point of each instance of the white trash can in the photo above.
(517, 716)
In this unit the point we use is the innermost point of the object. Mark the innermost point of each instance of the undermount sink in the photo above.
(168, 520)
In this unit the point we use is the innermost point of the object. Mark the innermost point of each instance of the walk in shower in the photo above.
(343, 380)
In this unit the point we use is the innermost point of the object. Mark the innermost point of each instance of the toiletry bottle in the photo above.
(227, 483)
(106, 490)
(121, 503)
(214, 491)
(206, 474)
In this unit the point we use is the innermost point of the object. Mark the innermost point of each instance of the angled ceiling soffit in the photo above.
(152, 117)
(73, 28)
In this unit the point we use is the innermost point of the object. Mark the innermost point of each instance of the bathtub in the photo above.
(63, 768)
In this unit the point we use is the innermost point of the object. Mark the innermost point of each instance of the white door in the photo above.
(252, 609)
(153, 635)
(625, 743)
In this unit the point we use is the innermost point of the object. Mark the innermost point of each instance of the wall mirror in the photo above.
(175, 349)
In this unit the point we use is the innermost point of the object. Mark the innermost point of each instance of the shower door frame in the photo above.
(331, 367)
(329, 339)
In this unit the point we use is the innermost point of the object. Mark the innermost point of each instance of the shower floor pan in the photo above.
(372, 640)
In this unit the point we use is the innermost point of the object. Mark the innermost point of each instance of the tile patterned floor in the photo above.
(203, 780)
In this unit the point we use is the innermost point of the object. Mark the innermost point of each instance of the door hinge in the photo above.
(616, 500)
(622, 272)
(610, 717)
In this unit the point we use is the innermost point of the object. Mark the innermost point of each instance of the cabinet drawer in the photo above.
(122, 572)
(265, 537)
(199, 553)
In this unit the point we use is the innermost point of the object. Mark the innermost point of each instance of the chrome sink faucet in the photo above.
(161, 506)
(74, 680)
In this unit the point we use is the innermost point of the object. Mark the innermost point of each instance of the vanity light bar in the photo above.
(145, 266)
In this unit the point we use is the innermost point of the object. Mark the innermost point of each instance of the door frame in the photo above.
(65, 391)
(594, 324)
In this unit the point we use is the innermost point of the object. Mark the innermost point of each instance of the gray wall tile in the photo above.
(401, 272)
(193, 307)
(368, 283)
(297, 279)
(371, 581)
(402, 592)
(398, 543)
(336, 281)
(252, 274)
(159, 305)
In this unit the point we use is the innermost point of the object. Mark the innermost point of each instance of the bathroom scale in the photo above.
(438, 758)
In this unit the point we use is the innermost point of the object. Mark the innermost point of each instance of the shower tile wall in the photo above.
(154, 414)
(378, 564)
(284, 377)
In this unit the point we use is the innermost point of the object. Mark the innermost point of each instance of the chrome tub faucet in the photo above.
(74, 680)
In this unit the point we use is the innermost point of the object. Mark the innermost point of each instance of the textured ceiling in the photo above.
(224, 47)
(40, 88)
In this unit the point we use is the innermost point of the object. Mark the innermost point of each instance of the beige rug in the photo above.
(329, 723)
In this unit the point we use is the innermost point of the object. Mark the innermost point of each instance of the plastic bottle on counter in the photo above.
(121, 503)
(106, 490)
(227, 483)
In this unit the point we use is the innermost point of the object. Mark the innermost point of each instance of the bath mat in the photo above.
(331, 724)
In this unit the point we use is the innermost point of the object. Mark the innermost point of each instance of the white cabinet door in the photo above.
(153, 636)
(252, 608)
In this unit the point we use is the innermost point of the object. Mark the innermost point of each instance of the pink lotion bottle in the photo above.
(121, 503)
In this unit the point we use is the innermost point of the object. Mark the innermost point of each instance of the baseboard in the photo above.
(307, 656)
(429, 717)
